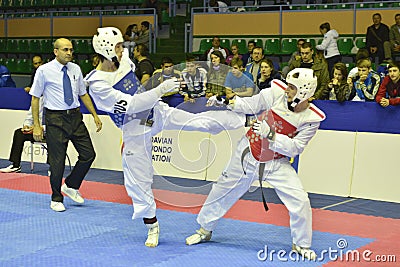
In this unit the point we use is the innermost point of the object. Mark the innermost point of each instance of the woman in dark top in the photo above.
(267, 74)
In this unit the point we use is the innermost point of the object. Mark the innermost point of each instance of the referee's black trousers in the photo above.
(62, 127)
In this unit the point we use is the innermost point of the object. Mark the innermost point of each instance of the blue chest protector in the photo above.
(129, 84)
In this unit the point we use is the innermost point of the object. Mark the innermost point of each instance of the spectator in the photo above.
(166, 72)
(144, 66)
(254, 66)
(361, 53)
(237, 83)
(394, 34)
(144, 34)
(36, 63)
(217, 6)
(235, 54)
(21, 135)
(295, 56)
(377, 39)
(61, 83)
(367, 83)
(131, 32)
(5, 77)
(195, 80)
(216, 46)
(247, 57)
(267, 74)
(389, 90)
(329, 45)
(338, 86)
(319, 66)
(216, 75)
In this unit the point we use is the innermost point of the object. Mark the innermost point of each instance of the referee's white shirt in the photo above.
(48, 82)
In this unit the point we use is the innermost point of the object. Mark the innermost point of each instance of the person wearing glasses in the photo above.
(61, 83)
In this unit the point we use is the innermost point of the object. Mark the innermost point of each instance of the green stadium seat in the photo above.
(307, 7)
(360, 42)
(288, 46)
(34, 46)
(350, 66)
(86, 66)
(12, 45)
(165, 19)
(324, 7)
(344, 6)
(225, 43)
(46, 46)
(3, 45)
(380, 5)
(272, 46)
(362, 5)
(242, 45)
(318, 41)
(345, 45)
(24, 66)
(81, 46)
(205, 44)
(23, 46)
(258, 42)
(12, 65)
(312, 41)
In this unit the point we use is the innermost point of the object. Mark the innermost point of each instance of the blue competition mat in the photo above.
(102, 234)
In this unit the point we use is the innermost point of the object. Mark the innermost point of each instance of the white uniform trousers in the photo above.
(233, 183)
(137, 157)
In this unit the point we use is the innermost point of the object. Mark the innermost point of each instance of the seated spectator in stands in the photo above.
(338, 86)
(194, 80)
(319, 66)
(130, 33)
(361, 53)
(144, 34)
(216, 75)
(166, 72)
(295, 56)
(246, 58)
(36, 62)
(235, 54)
(389, 91)
(254, 66)
(216, 46)
(394, 34)
(377, 39)
(267, 74)
(21, 135)
(367, 83)
(158, 6)
(144, 66)
(217, 6)
(5, 77)
(236, 82)
(329, 45)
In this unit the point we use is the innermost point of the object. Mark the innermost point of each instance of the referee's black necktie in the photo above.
(68, 98)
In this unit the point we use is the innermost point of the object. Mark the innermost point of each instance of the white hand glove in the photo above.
(215, 101)
(262, 128)
(169, 86)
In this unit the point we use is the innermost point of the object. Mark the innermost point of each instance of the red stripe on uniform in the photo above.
(280, 85)
(316, 111)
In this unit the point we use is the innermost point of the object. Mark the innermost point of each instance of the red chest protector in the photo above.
(259, 147)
